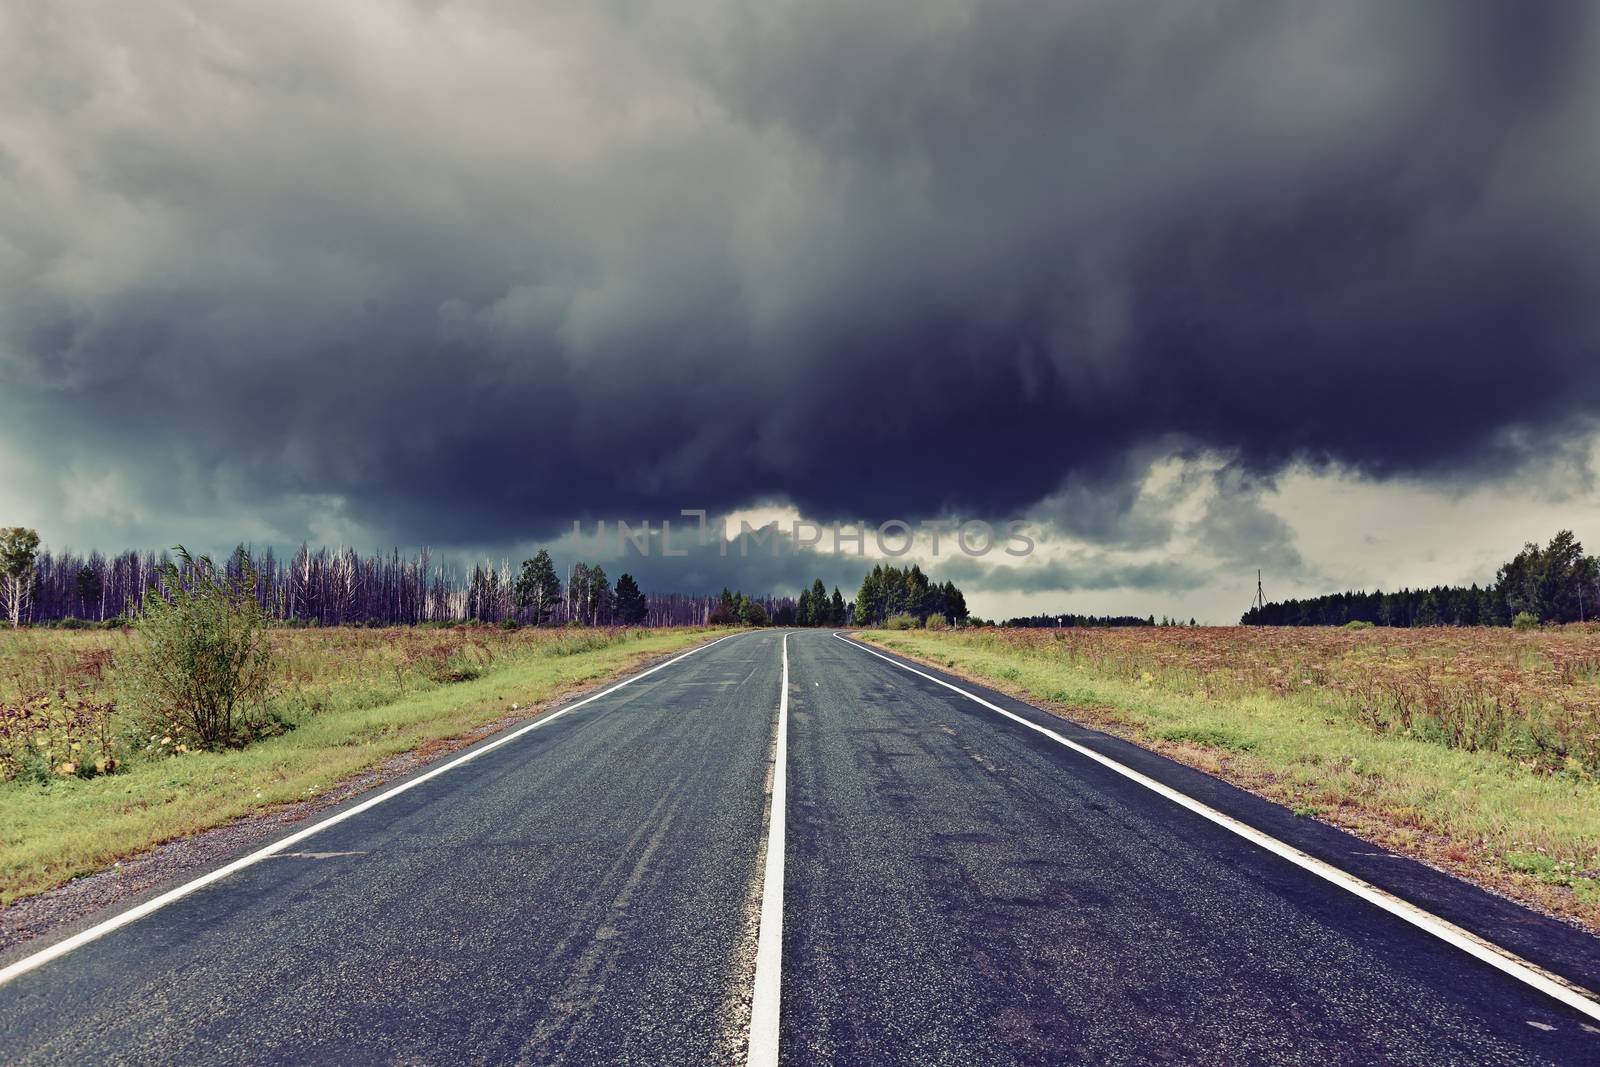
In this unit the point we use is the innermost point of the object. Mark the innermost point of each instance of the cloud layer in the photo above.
(459, 273)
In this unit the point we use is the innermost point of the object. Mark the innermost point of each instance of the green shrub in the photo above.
(508, 623)
(1358, 624)
(902, 622)
(937, 622)
(1525, 621)
(203, 663)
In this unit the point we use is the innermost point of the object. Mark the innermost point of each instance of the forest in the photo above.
(343, 588)
(1555, 583)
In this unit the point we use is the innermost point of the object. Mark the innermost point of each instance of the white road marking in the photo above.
(764, 1002)
(116, 922)
(1502, 959)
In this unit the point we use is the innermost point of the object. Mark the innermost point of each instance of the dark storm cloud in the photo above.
(465, 272)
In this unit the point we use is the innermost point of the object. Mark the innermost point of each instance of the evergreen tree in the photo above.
(869, 600)
(479, 595)
(1492, 608)
(955, 603)
(1428, 611)
(891, 592)
(916, 593)
(537, 588)
(597, 601)
(629, 606)
(726, 612)
(819, 604)
(836, 615)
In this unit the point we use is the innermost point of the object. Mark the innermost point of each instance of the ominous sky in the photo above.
(1194, 287)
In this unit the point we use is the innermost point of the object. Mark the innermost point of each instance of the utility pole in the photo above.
(1260, 600)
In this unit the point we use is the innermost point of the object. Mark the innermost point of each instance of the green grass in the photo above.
(1496, 819)
(365, 714)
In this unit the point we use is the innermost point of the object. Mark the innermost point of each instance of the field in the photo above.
(88, 781)
(1477, 750)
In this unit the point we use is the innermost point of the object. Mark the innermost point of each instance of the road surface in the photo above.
(956, 889)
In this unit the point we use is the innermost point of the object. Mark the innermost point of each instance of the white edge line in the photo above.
(139, 911)
(766, 997)
(1502, 959)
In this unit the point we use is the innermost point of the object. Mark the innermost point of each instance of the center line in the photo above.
(769, 941)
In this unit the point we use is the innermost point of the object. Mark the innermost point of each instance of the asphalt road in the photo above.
(958, 890)
(581, 895)
(962, 890)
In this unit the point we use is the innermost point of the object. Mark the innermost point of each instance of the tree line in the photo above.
(340, 588)
(1054, 621)
(323, 587)
(1555, 583)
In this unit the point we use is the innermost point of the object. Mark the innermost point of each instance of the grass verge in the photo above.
(53, 833)
(1525, 832)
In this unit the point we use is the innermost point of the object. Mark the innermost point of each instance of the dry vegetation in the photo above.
(1532, 697)
(63, 700)
(1477, 749)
